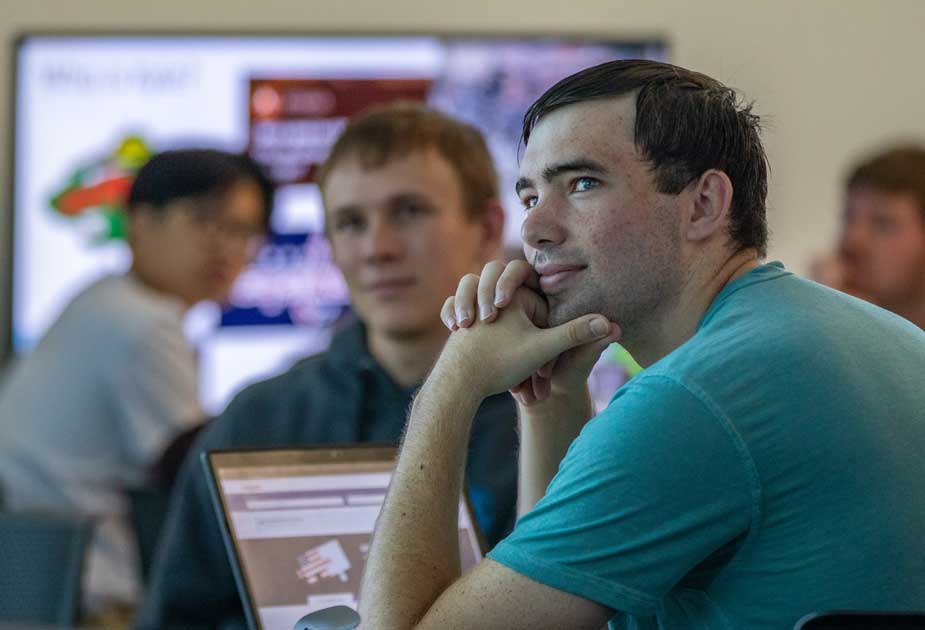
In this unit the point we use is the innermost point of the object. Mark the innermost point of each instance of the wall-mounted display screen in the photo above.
(85, 105)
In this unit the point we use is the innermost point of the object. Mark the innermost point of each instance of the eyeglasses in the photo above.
(241, 235)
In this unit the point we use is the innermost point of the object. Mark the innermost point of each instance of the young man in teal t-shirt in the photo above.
(766, 464)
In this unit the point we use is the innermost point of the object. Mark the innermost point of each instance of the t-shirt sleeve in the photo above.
(653, 486)
(155, 389)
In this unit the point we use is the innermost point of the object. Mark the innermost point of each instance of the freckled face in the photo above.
(598, 232)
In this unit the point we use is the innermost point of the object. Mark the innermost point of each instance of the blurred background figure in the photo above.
(114, 380)
(411, 205)
(881, 252)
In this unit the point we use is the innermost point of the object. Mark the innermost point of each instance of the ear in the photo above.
(137, 220)
(492, 224)
(710, 202)
(144, 220)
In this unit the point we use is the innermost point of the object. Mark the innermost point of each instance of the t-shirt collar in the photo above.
(768, 271)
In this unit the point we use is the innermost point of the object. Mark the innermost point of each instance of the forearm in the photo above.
(546, 431)
(414, 554)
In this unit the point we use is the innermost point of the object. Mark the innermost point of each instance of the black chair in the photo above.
(41, 564)
(862, 620)
(147, 511)
(148, 503)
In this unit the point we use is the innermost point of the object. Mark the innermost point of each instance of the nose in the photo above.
(227, 255)
(543, 226)
(854, 238)
(381, 242)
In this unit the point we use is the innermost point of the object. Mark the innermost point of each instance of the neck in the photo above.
(150, 281)
(407, 358)
(698, 290)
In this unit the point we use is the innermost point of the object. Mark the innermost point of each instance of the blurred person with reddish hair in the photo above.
(411, 205)
(882, 243)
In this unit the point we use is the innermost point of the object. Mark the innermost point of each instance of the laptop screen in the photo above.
(298, 523)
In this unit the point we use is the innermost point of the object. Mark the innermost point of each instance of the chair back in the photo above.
(41, 565)
(147, 512)
(862, 620)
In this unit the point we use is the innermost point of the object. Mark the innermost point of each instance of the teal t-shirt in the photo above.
(771, 466)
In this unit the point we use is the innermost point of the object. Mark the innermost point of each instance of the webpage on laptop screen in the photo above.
(303, 540)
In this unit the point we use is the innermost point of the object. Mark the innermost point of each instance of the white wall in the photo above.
(831, 78)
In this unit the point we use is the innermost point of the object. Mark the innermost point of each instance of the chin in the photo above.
(220, 293)
(398, 326)
(565, 311)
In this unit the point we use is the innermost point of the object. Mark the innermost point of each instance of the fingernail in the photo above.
(465, 316)
(485, 311)
(499, 298)
(599, 326)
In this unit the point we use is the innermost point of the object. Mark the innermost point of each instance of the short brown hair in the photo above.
(385, 132)
(686, 124)
(899, 169)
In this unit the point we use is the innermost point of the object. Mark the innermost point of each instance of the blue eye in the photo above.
(884, 225)
(528, 202)
(583, 184)
(410, 209)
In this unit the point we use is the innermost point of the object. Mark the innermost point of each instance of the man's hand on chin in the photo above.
(414, 556)
(489, 358)
(558, 384)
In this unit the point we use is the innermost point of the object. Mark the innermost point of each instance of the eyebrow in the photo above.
(348, 209)
(406, 197)
(555, 170)
(390, 202)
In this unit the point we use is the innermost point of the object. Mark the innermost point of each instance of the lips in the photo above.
(220, 276)
(557, 277)
(389, 286)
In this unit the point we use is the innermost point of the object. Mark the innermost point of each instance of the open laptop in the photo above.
(297, 525)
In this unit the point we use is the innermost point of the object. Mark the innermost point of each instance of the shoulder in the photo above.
(658, 427)
(294, 382)
(111, 331)
(782, 325)
(282, 408)
(123, 310)
(655, 398)
(654, 419)
(751, 327)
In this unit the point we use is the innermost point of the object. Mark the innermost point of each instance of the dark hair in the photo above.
(192, 173)
(900, 169)
(385, 132)
(686, 123)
